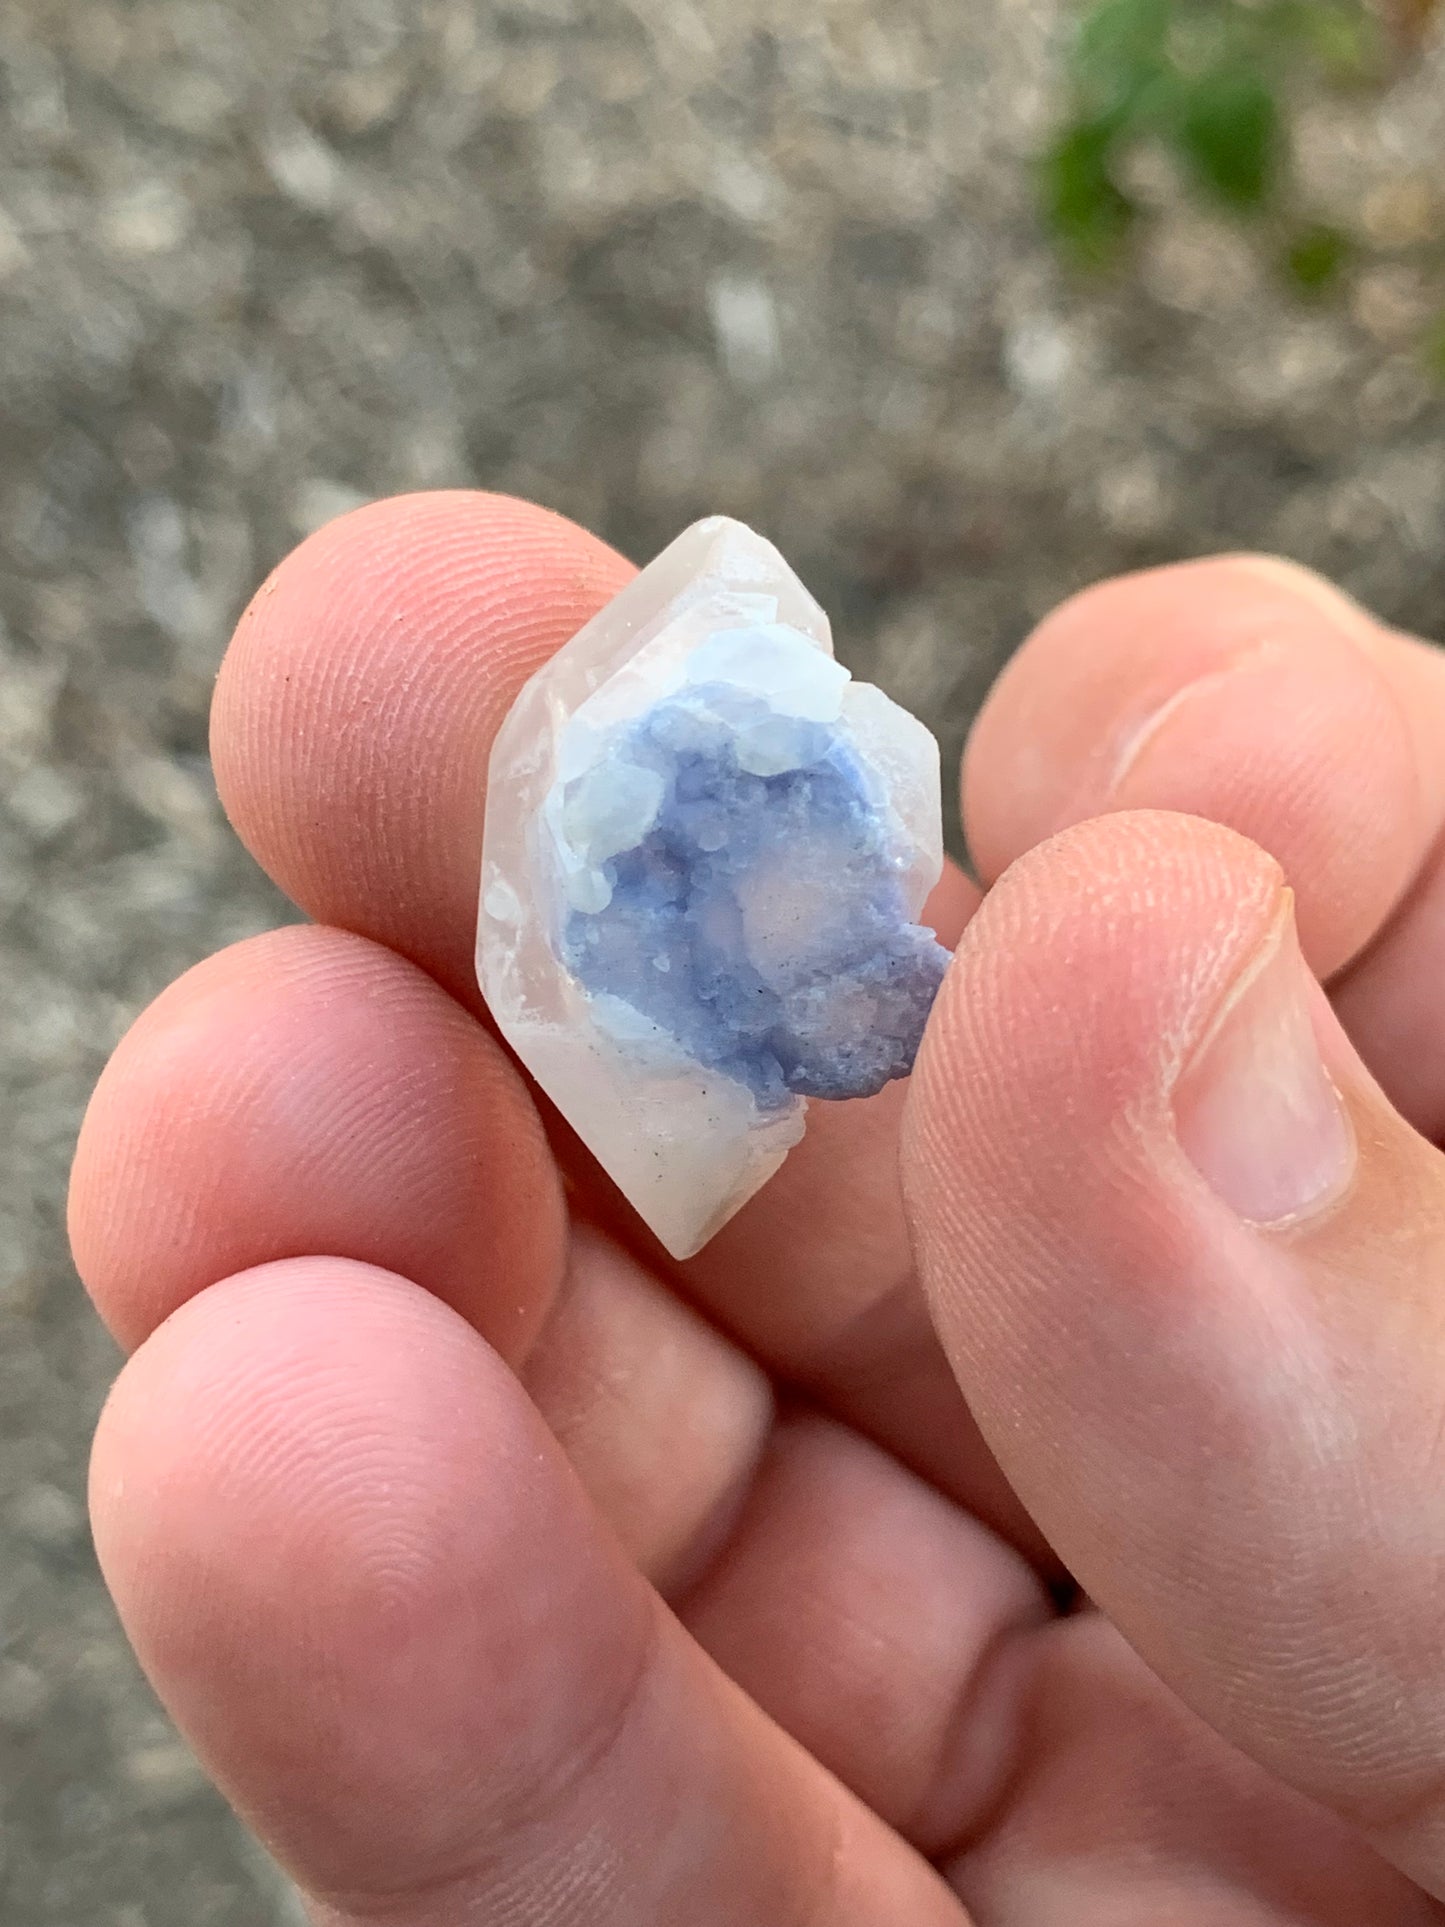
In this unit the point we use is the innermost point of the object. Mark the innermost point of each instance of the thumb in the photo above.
(1189, 1267)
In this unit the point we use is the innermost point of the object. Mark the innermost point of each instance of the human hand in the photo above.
(502, 1571)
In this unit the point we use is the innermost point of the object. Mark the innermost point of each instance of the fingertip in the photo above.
(1336, 605)
(1240, 688)
(1094, 920)
(1075, 993)
(263, 1354)
(308, 1091)
(317, 1497)
(357, 701)
(1117, 648)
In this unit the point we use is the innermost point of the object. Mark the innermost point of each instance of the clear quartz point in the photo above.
(706, 848)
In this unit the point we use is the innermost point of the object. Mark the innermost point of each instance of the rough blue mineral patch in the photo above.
(744, 895)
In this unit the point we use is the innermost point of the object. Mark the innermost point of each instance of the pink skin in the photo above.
(502, 1571)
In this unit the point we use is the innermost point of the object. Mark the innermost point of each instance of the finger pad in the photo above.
(358, 700)
(1218, 689)
(310, 1092)
(318, 1499)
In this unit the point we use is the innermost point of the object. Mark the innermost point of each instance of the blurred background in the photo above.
(642, 260)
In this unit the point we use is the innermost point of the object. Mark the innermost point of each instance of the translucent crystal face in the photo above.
(705, 849)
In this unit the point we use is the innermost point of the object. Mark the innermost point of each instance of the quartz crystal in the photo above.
(706, 847)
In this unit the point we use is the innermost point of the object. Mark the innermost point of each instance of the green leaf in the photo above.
(1083, 204)
(1316, 256)
(1121, 50)
(1230, 136)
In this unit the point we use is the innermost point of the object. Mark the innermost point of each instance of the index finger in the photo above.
(360, 695)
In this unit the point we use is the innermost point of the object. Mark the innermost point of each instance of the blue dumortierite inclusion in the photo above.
(747, 899)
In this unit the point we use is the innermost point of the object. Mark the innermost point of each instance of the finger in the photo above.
(1192, 1293)
(1127, 1811)
(879, 1624)
(360, 1577)
(360, 694)
(1389, 1001)
(1235, 689)
(1248, 691)
(309, 1091)
(872, 1619)
(352, 723)
(664, 1420)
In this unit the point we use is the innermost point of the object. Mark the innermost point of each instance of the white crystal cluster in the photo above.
(705, 846)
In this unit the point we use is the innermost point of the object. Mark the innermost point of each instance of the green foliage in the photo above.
(1229, 135)
(1204, 79)
(1210, 83)
(1316, 257)
(1083, 203)
(1121, 51)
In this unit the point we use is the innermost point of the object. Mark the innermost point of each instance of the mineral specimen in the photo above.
(705, 849)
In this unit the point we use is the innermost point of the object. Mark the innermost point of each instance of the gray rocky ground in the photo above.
(641, 259)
